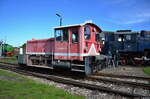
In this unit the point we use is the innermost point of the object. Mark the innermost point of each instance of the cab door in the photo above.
(61, 44)
(74, 51)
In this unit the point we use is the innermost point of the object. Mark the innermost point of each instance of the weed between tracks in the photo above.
(15, 86)
(146, 70)
(9, 61)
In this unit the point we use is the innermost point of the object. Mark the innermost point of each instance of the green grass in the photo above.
(9, 60)
(15, 86)
(146, 70)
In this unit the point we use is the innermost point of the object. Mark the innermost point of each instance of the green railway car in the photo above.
(8, 50)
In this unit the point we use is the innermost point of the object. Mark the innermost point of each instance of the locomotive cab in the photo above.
(75, 45)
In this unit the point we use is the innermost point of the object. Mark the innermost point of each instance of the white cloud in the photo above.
(121, 2)
(108, 3)
(128, 22)
(139, 18)
(135, 21)
(144, 15)
(117, 1)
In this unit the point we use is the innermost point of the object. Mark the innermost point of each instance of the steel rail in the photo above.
(130, 83)
(121, 76)
(71, 82)
(9, 63)
(107, 74)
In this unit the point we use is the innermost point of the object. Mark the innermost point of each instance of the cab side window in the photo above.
(58, 35)
(65, 35)
(61, 35)
(97, 37)
(74, 35)
(128, 37)
(87, 33)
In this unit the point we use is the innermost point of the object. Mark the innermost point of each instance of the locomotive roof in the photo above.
(121, 32)
(35, 40)
(108, 32)
(126, 32)
(76, 25)
(145, 31)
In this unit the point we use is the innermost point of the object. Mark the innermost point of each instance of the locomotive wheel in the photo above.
(138, 62)
(123, 61)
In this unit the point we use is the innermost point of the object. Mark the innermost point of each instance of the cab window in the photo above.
(121, 38)
(61, 35)
(74, 35)
(87, 33)
(128, 37)
(97, 37)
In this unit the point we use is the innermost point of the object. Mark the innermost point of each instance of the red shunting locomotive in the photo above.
(74, 46)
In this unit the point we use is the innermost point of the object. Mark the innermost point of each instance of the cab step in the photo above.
(77, 70)
(77, 65)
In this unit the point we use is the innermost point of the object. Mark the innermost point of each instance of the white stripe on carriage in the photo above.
(60, 54)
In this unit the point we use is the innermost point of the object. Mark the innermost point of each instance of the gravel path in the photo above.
(125, 70)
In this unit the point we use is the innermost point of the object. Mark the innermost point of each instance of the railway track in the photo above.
(120, 82)
(13, 64)
(70, 82)
(5, 58)
(106, 75)
(122, 76)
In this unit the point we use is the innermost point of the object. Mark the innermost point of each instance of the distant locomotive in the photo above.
(134, 47)
(76, 47)
(7, 50)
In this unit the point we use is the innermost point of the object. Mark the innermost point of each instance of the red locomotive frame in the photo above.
(71, 47)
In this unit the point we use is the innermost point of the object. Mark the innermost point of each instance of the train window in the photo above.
(75, 35)
(61, 35)
(58, 35)
(87, 33)
(147, 34)
(65, 35)
(97, 37)
(121, 38)
(128, 37)
(112, 37)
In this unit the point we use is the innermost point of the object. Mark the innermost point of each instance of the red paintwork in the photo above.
(40, 46)
(66, 50)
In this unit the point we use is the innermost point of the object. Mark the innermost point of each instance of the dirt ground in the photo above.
(125, 70)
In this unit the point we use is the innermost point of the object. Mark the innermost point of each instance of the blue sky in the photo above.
(22, 20)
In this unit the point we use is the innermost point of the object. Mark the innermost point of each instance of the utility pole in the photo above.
(1, 44)
(60, 18)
